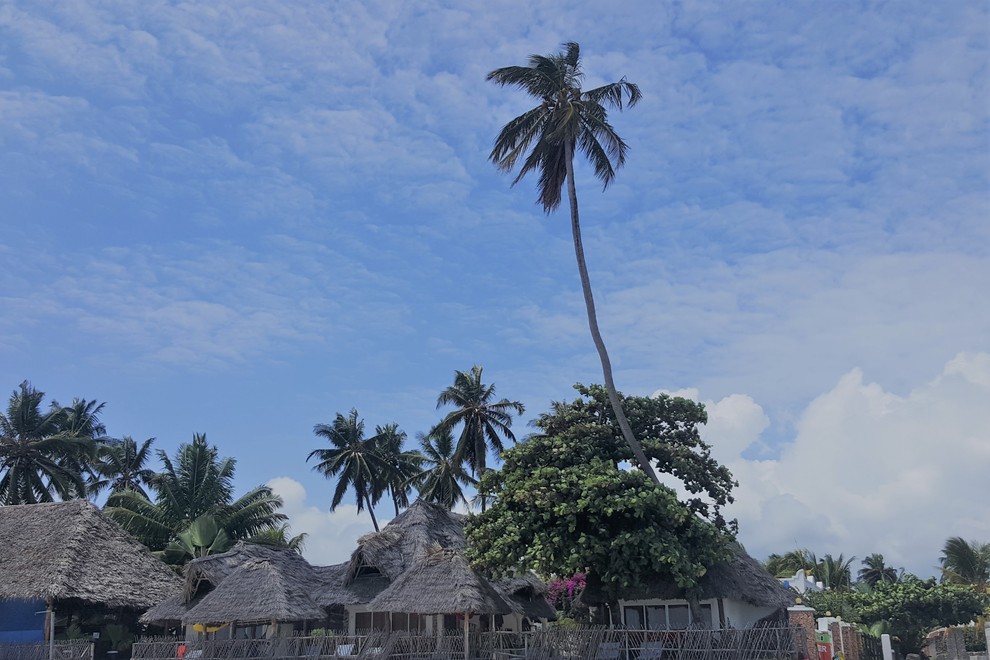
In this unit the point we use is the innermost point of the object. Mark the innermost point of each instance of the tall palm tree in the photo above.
(353, 460)
(39, 459)
(198, 482)
(120, 465)
(567, 120)
(876, 571)
(402, 465)
(441, 476)
(483, 420)
(966, 562)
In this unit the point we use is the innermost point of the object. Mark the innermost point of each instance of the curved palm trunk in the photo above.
(371, 510)
(596, 335)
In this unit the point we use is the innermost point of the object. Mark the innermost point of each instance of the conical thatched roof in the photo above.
(258, 590)
(740, 578)
(527, 595)
(405, 539)
(70, 551)
(441, 582)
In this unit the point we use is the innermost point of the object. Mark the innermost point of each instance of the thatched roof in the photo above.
(407, 537)
(741, 578)
(71, 551)
(259, 590)
(441, 582)
(527, 595)
(331, 589)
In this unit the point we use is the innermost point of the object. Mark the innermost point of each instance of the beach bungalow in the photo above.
(410, 576)
(738, 593)
(64, 559)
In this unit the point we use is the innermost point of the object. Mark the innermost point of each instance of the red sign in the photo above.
(823, 644)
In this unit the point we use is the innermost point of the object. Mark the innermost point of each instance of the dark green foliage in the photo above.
(564, 505)
(875, 570)
(441, 477)
(910, 608)
(966, 562)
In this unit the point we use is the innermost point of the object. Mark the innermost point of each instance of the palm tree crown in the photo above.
(876, 571)
(966, 562)
(353, 460)
(402, 465)
(483, 420)
(442, 476)
(120, 466)
(41, 458)
(568, 120)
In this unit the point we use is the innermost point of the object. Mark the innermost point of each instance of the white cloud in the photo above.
(331, 536)
(868, 470)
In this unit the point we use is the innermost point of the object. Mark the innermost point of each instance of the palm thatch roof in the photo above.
(527, 595)
(741, 578)
(259, 590)
(64, 551)
(405, 539)
(441, 582)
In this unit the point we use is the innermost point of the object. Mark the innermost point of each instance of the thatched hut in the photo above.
(738, 593)
(69, 556)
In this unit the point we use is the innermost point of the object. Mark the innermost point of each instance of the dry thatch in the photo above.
(394, 550)
(258, 590)
(741, 578)
(527, 595)
(441, 582)
(64, 551)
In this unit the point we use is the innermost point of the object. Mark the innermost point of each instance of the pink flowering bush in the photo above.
(563, 591)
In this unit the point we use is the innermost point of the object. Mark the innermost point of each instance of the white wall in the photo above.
(743, 615)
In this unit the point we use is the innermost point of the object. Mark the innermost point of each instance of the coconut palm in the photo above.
(876, 571)
(402, 465)
(120, 465)
(966, 562)
(197, 482)
(567, 120)
(442, 475)
(835, 572)
(483, 420)
(352, 460)
(39, 459)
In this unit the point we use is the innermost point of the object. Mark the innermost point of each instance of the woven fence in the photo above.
(62, 650)
(547, 644)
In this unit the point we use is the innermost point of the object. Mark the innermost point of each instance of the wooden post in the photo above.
(50, 629)
(467, 636)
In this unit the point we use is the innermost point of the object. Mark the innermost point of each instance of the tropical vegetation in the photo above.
(569, 120)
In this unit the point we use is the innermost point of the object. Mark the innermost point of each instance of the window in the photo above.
(678, 617)
(400, 621)
(362, 621)
(633, 617)
(656, 617)
(706, 616)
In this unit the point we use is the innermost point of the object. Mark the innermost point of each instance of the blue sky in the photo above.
(242, 218)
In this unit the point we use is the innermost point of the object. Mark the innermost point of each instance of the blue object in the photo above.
(22, 621)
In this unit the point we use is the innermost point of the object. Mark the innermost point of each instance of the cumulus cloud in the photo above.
(867, 470)
(330, 536)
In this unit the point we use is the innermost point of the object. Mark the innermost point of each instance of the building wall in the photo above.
(743, 615)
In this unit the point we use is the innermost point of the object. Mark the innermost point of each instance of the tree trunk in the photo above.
(371, 510)
(596, 335)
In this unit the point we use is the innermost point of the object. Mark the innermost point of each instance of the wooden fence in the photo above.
(548, 644)
(62, 650)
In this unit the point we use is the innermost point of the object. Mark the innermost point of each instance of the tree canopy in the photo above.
(568, 502)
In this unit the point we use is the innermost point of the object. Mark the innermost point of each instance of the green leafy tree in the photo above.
(908, 609)
(402, 465)
(568, 120)
(352, 460)
(121, 465)
(875, 570)
(441, 477)
(197, 483)
(966, 563)
(565, 505)
(42, 456)
(483, 420)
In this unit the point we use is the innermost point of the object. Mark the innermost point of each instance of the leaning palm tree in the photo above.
(483, 420)
(352, 460)
(197, 483)
(402, 465)
(567, 120)
(39, 459)
(966, 562)
(442, 475)
(875, 571)
(120, 465)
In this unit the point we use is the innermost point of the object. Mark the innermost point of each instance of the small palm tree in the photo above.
(483, 420)
(966, 562)
(442, 476)
(566, 121)
(875, 571)
(120, 465)
(197, 483)
(352, 460)
(402, 465)
(836, 572)
(39, 459)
